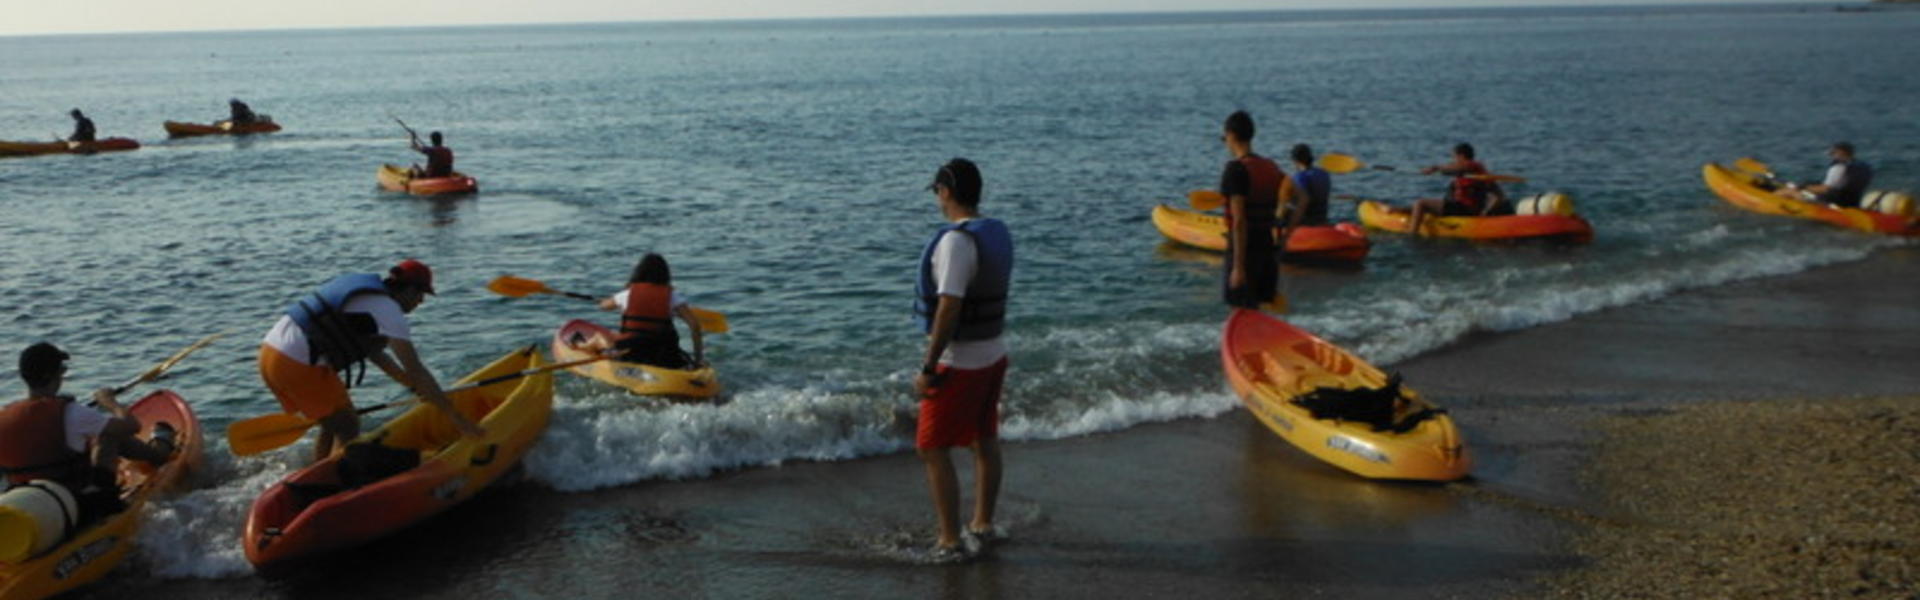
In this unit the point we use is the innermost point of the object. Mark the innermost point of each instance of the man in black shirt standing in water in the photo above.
(1253, 185)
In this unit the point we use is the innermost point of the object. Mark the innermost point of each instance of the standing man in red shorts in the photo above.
(961, 303)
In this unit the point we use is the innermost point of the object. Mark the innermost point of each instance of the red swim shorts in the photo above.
(963, 408)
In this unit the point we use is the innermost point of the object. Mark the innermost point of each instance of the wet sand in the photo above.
(1582, 431)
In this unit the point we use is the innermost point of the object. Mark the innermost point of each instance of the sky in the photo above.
(35, 17)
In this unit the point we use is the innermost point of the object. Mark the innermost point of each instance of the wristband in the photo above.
(929, 370)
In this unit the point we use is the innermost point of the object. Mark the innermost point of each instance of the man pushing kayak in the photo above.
(307, 359)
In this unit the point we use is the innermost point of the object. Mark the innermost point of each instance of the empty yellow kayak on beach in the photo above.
(1272, 363)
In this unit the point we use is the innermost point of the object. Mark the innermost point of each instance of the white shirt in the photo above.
(674, 300)
(955, 261)
(392, 322)
(83, 423)
(1836, 175)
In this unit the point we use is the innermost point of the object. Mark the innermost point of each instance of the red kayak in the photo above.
(1339, 243)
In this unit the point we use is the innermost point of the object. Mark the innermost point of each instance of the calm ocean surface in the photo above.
(779, 167)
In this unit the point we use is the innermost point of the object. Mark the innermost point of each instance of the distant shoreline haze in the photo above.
(229, 16)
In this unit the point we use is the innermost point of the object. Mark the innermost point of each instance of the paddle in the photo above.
(521, 287)
(1755, 167)
(1341, 163)
(260, 434)
(158, 370)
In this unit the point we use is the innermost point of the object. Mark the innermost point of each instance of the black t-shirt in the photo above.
(1234, 180)
(82, 130)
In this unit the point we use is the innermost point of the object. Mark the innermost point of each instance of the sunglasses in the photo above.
(943, 178)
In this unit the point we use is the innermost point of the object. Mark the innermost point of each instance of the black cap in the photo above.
(40, 363)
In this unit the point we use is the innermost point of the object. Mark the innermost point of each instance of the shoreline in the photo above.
(1215, 507)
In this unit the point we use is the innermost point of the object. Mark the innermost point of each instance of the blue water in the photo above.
(779, 167)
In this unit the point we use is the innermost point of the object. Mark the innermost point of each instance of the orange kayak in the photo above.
(1343, 242)
(396, 178)
(1270, 363)
(1751, 192)
(1566, 228)
(94, 552)
(309, 513)
(114, 144)
(180, 129)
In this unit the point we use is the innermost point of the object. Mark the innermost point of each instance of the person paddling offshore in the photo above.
(1466, 195)
(1253, 185)
(240, 113)
(960, 300)
(1846, 182)
(647, 307)
(439, 157)
(53, 437)
(352, 319)
(82, 127)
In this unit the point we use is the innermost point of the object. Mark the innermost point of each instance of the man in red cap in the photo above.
(351, 320)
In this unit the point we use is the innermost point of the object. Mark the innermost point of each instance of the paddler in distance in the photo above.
(307, 359)
(1466, 195)
(1253, 186)
(239, 113)
(82, 128)
(53, 437)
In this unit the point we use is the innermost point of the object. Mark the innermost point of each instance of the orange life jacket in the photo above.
(648, 317)
(33, 442)
(1467, 190)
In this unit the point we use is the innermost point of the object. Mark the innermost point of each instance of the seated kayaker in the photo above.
(82, 127)
(439, 158)
(54, 437)
(1312, 187)
(1466, 195)
(241, 114)
(1846, 182)
(647, 307)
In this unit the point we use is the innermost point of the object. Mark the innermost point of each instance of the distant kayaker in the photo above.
(439, 158)
(1253, 185)
(241, 113)
(1466, 195)
(960, 300)
(54, 437)
(1846, 182)
(647, 307)
(82, 127)
(307, 359)
(1312, 187)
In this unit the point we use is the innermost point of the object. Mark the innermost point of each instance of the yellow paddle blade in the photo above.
(517, 287)
(1335, 162)
(1206, 199)
(1278, 305)
(1750, 165)
(260, 434)
(710, 321)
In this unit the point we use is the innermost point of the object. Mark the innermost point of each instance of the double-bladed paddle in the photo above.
(521, 287)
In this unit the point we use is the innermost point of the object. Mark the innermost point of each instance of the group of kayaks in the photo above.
(390, 177)
(330, 505)
(1335, 407)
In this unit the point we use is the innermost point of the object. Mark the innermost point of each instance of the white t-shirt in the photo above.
(83, 423)
(955, 261)
(290, 340)
(1836, 175)
(674, 300)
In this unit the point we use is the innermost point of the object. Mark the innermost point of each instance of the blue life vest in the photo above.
(983, 311)
(1318, 186)
(344, 339)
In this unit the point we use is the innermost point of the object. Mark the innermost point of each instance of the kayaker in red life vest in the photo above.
(960, 301)
(1253, 185)
(308, 357)
(439, 157)
(1466, 196)
(647, 307)
(82, 127)
(54, 437)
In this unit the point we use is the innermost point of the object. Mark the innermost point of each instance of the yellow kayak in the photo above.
(1272, 363)
(1752, 192)
(94, 552)
(570, 341)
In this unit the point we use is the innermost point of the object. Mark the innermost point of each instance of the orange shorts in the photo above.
(963, 408)
(303, 389)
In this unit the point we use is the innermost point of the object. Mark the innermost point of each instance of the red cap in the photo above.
(414, 273)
